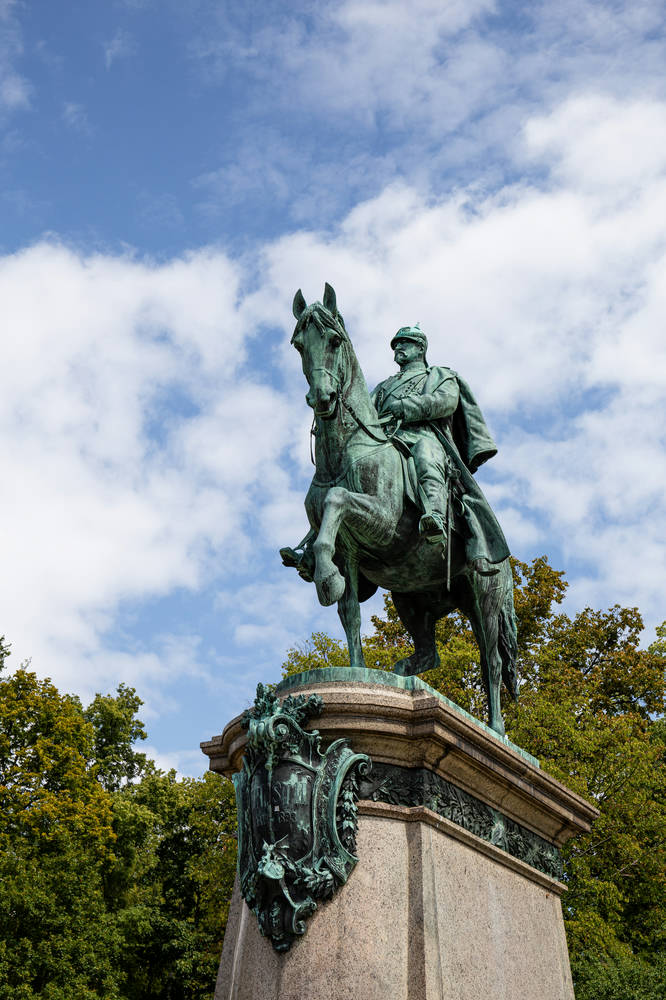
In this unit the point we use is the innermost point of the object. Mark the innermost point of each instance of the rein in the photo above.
(336, 378)
(379, 441)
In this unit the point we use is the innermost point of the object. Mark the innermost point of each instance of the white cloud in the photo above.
(431, 61)
(214, 438)
(14, 92)
(272, 613)
(114, 497)
(361, 57)
(619, 147)
(121, 46)
(427, 91)
(75, 117)
(188, 763)
(373, 57)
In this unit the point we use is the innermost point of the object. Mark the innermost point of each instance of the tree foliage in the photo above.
(626, 977)
(116, 730)
(170, 882)
(115, 878)
(591, 708)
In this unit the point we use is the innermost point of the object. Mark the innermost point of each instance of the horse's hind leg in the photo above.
(417, 614)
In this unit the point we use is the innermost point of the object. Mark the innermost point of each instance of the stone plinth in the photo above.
(456, 893)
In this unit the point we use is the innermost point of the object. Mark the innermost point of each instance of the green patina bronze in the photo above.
(421, 787)
(296, 814)
(405, 786)
(394, 503)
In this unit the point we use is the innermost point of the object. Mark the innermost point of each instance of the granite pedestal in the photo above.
(457, 889)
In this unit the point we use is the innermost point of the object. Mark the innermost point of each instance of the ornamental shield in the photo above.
(280, 805)
(296, 814)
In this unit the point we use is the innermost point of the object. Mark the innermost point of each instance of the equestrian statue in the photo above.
(394, 503)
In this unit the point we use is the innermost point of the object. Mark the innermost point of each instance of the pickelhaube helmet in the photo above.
(414, 333)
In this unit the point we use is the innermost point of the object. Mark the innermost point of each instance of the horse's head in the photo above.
(322, 341)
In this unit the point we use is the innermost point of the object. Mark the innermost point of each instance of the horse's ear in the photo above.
(299, 304)
(329, 299)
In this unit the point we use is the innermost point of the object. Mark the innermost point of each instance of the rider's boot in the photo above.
(431, 469)
(432, 526)
(290, 557)
(301, 559)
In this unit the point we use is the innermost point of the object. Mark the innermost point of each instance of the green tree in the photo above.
(592, 712)
(627, 977)
(56, 836)
(171, 881)
(115, 878)
(116, 730)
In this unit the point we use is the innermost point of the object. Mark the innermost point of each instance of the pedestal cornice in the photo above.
(404, 722)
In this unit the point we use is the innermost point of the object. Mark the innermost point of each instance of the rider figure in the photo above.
(414, 398)
(438, 420)
(432, 414)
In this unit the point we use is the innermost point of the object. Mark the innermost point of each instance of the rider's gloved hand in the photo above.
(394, 407)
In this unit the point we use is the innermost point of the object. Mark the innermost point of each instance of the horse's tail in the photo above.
(507, 639)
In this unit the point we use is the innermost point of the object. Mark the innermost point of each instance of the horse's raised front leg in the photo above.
(366, 516)
(349, 610)
(328, 579)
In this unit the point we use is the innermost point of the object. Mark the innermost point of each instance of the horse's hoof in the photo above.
(412, 665)
(330, 589)
(406, 667)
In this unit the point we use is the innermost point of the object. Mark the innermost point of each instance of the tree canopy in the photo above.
(115, 877)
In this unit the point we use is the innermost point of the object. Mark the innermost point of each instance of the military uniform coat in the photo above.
(436, 400)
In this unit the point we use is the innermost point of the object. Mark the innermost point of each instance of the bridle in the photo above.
(341, 400)
(385, 439)
(328, 371)
(336, 378)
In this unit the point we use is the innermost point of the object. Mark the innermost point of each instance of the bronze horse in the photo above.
(365, 530)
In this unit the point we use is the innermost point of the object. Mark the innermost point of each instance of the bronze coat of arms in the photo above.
(296, 814)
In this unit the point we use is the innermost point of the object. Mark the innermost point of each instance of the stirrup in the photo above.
(432, 528)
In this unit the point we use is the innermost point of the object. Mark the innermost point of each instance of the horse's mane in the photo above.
(323, 319)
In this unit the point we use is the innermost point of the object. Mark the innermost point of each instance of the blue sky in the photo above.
(172, 172)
